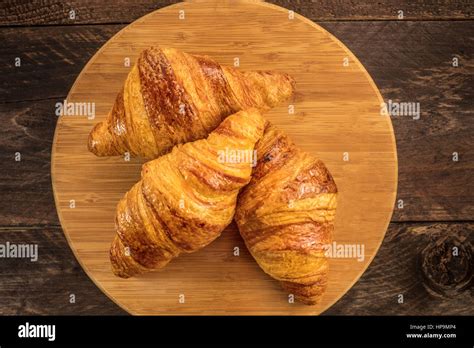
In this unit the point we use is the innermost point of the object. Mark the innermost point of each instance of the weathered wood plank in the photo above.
(46, 286)
(38, 12)
(25, 176)
(321, 10)
(410, 62)
(26, 286)
(49, 12)
(417, 262)
(51, 58)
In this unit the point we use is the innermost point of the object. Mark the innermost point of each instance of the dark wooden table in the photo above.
(411, 59)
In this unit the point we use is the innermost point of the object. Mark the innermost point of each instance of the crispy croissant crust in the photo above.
(286, 213)
(186, 198)
(171, 97)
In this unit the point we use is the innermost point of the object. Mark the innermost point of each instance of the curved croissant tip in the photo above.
(101, 141)
(118, 272)
(93, 143)
(116, 259)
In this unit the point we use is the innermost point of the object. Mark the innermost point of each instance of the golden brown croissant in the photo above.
(286, 213)
(171, 97)
(186, 198)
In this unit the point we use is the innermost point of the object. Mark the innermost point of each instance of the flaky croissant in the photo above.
(186, 198)
(171, 97)
(286, 215)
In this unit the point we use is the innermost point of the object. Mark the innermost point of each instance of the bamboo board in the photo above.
(336, 117)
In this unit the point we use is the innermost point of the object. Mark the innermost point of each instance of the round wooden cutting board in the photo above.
(336, 117)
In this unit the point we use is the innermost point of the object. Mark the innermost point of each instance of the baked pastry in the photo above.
(186, 198)
(171, 97)
(286, 215)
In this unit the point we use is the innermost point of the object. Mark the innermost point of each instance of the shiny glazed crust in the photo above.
(286, 215)
(171, 97)
(186, 198)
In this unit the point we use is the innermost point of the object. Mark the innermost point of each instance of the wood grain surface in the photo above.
(338, 112)
(45, 287)
(54, 284)
(47, 12)
(399, 54)
(426, 145)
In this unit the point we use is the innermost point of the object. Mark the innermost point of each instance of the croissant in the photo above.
(171, 97)
(186, 198)
(286, 215)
